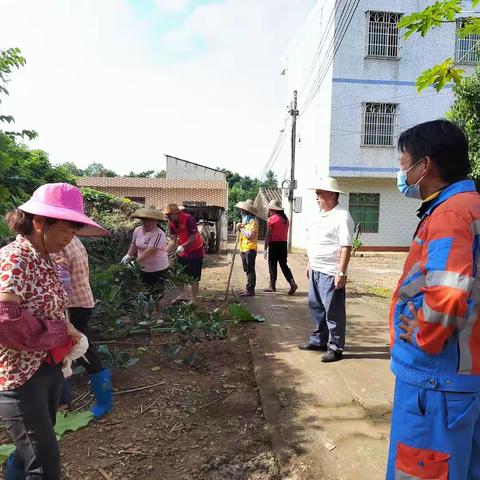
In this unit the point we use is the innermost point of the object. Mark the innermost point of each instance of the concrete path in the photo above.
(333, 418)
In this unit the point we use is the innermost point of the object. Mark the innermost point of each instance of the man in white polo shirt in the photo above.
(329, 247)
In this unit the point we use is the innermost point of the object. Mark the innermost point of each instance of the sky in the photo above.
(122, 82)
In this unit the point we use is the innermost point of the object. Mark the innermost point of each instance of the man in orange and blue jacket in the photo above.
(435, 314)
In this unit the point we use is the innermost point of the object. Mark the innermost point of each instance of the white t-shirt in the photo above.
(327, 233)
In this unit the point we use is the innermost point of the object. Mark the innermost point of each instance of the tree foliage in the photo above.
(148, 174)
(99, 170)
(241, 188)
(22, 170)
(10, 60)
(434, 16)
(465, 112)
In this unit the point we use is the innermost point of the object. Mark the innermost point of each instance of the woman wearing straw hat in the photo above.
(248, 244)
(35, 336)
(149, 246)
(276, 246)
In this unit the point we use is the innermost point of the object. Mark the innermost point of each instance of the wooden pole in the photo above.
(231, 266)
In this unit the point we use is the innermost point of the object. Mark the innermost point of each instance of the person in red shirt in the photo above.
(187, 242)
(276, 247)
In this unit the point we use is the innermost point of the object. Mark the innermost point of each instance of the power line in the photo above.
(338, 27)
(275, 151)
(340, 33)
(323, 38)
(336, 42)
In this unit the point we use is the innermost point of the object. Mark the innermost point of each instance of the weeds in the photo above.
(124, 305)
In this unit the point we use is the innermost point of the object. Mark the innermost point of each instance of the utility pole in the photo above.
(294, 113)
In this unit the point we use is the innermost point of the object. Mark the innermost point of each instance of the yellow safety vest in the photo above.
(249, 242)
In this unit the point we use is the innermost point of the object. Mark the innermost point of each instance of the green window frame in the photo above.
(365, 210)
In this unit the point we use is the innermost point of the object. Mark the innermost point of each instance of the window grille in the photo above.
(379, 120)
(383, 37)
(189, 203)
(365, 210)
(466, 48)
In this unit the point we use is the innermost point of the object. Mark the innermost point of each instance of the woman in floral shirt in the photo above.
(34, 333)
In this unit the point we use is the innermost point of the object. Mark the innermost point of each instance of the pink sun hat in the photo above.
(62, 201)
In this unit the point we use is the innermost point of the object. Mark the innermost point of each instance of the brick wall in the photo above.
(161, 191)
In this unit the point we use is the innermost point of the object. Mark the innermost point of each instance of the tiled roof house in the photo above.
(264, 197)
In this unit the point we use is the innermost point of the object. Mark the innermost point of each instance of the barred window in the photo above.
(365, 210)
(383, 37)
(466, 48)
(379, 121)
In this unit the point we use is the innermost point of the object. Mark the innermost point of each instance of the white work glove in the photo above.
(78, 350)
(180, 249)
(126, 259)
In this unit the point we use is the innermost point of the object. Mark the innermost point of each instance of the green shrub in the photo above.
(5, 233)
(357, 243)
(124, 304)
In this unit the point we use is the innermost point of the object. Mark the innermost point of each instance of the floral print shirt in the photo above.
(25, 273)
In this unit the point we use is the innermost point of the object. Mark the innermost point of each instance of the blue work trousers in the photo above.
(327, 309)
(434, 434)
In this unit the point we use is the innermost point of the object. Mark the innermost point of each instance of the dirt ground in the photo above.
(376, 272)
(204, 422)
(196, 423)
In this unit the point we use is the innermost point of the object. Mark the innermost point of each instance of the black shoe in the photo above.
(248, 293)
(332, 356)
(293, 288)
(308, 346)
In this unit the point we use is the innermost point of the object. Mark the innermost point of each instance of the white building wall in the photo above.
(329, 131)
(397, 220)
(178, 168)
(358, 79)
(313, 126)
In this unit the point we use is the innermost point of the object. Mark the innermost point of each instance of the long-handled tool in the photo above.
(231, 266)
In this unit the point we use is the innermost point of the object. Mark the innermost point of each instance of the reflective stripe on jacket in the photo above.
(440, 278)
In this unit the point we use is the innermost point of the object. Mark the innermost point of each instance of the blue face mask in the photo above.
(247, 217)
(410, 191)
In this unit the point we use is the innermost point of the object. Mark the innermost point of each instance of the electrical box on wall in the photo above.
(297, 204)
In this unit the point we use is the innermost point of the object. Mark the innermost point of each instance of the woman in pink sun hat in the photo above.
(35, 335)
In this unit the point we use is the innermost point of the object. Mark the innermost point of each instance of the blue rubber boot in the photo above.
(65, 396)
(102, 389)
(11, 471)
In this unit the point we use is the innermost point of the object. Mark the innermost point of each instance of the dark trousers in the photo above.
(277, 254)
(248, 262)
(327, 309)
(29, 413)
(79, 318)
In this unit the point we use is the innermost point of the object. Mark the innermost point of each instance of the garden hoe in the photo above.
(231, 266)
